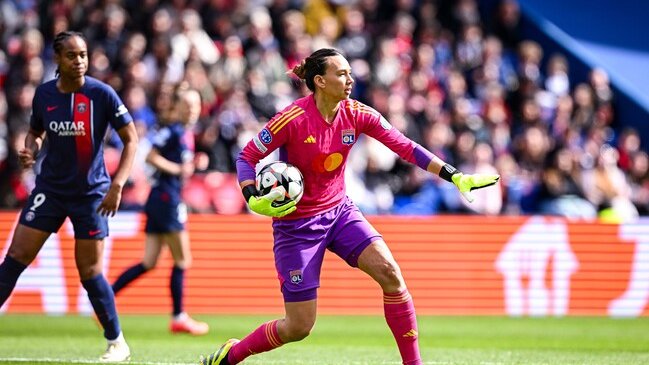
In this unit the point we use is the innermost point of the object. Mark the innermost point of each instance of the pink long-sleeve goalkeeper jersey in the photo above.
(320, 149)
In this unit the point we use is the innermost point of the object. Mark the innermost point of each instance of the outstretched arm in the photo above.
(379, 128)
(464, 183)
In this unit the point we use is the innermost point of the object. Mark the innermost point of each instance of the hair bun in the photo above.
(299, 70)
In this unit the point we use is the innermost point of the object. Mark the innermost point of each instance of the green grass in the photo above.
(359, 340)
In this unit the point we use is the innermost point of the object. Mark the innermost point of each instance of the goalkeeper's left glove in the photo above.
(467, 183)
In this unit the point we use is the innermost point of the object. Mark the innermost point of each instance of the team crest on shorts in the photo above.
(296, 276)
(30, 216)
(349, 136)
(81, 107)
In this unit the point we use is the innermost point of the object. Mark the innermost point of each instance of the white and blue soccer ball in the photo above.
(283, 177)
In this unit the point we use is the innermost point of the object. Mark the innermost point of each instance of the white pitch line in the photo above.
(81, 361)
(270, 362)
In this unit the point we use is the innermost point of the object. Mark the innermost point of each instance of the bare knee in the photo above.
(292, 331)
(184, 264)
(21, 255)
(87, 272)
(377, 261)
(388, 275)
(149, 264)
(26, 243)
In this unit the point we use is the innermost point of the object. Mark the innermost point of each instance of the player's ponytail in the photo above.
(299, 70)
(315, 64)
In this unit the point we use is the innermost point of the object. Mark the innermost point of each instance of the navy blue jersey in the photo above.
(75, 125)
(175, 144)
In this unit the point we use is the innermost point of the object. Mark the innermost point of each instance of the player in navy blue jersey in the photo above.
(72, 113)
(173, 158)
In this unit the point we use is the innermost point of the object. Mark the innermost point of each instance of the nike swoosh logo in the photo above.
(95, 232)
(50, 108)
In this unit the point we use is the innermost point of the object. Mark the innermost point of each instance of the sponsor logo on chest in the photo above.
(67, 128)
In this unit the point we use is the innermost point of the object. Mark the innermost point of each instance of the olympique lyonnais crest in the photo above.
(296, 276)
(81, 107)
(349, 137)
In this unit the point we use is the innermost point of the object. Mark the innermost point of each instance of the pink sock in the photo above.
(400, 315)
(264, 338)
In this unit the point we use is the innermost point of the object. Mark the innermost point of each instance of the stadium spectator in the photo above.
(72, 181)
(114, 33)
(161, 64)
(608, 188)
(355, 41)
(561, 189)
(315, 134)
(506, 23)
(639, 181)
(427, 36)
(487, 202)
(193, 36)
(172, 156)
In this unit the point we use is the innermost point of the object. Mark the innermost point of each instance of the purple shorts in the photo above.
(300, 247)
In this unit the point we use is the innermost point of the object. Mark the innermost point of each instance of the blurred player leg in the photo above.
(181, 322)
(152, 248)
(128, 276)
(24, 247)
(10, 270)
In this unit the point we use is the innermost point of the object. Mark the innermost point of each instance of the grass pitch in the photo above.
(339, 340)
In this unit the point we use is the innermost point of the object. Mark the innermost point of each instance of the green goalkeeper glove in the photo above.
(467, 183)
(264, 205)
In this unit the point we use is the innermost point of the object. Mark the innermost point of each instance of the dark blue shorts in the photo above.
(165, 216)
(300, 245)
(46, 211)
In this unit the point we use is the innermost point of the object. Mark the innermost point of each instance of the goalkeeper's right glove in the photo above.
(264, 205)
(467, 183)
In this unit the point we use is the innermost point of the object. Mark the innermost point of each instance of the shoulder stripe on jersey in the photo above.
(289, 117)
(363, 109)
(358, 106)
(281, 117)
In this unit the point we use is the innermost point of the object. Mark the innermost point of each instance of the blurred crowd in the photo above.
(453, 77)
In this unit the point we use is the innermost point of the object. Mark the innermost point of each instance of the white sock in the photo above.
(180, 316)
(120, 338)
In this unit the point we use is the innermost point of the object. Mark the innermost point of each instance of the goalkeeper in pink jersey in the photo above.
(316, 133)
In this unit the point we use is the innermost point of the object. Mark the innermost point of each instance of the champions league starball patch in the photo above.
(265, 136)
(296, 276)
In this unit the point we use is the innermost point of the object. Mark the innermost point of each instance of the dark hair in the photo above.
(64, 36)
(173, 94)
(315, 64)
(60, 38)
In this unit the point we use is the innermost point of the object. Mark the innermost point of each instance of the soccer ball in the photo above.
(283, 177)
